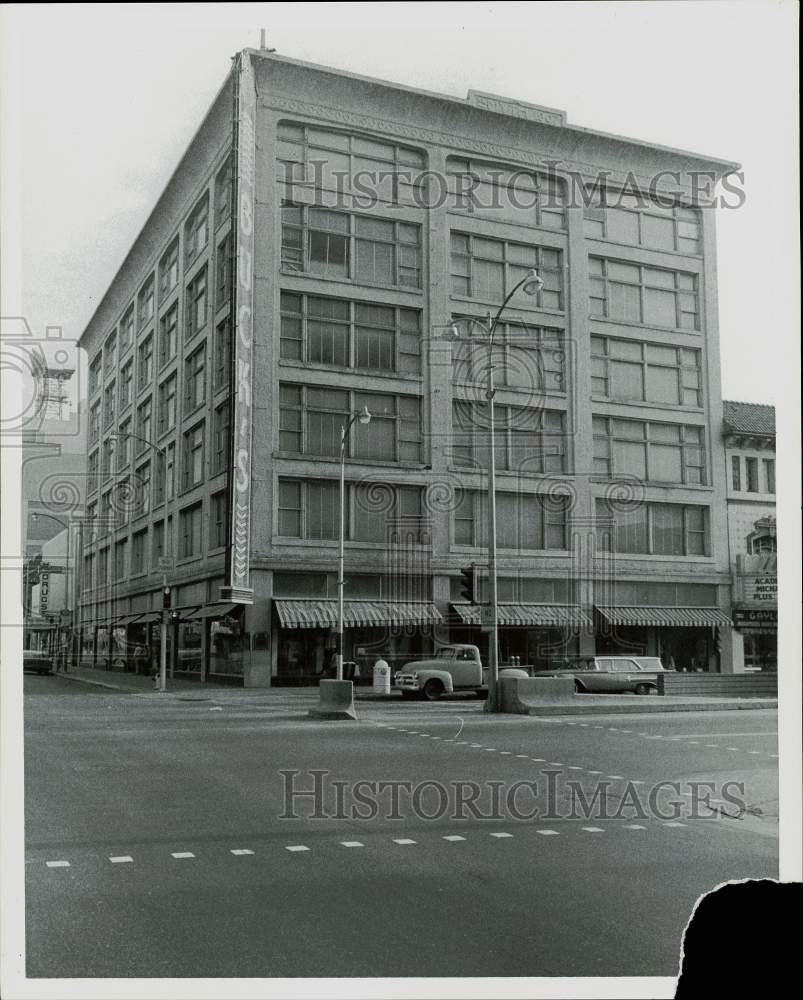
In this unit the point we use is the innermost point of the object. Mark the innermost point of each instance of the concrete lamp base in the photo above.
(335, 701)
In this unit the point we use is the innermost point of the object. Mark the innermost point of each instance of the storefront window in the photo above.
(227, 646)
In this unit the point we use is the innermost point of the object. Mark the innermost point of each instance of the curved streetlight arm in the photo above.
(136, 437)
(41, 513)
(530, 276)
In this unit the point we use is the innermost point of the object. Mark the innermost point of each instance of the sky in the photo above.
(107, 99)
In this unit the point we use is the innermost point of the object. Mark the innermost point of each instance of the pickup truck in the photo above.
(603, 674)
(453, 668)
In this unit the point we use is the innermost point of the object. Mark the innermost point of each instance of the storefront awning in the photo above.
(148, 617)
(672, 617)
(127, 619)
(209, 611)
(546, 615)
(323, 614)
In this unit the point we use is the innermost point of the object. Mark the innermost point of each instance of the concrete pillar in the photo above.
(731, 656)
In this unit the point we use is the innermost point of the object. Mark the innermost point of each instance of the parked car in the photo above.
(612, 674)
(37, 660)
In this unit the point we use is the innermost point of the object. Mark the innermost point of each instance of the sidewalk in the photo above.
(182, 689)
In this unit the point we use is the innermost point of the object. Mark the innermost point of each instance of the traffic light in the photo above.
(166, 599)
(467, 583)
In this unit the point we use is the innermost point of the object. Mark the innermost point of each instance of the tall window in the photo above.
(220, 453)
(223, 193)
(126, 384)
(157, 542)
(103, 567)
(360, 248)
(167, 404)
(511, 194)
(487, 269)
(145, 362)
(358, 335)
(311, 419)
(94, 423)
(195, 380)
(526, 439)
(373, 171)
(166, 477)
(95, 373)
(736, 472)
(124, 444)
(92, 470)
(635, 293)
(168, 335)
(659, 453)
(110, 353)
(769, 474)
(139, 542)
(652, 528)
(637, 220)
(107, 467)
(109, 404)
(146, 304)
(751, 474)
(652, 373)
(120, 560)
(193, 472)
(190, 531)
(196, 232)
(532, 358)
(223, 272)
(218, 534)
(144, 425)
(195, 304)
(127, 330)
(222, 354)
(142, 485)
(168, 270)
(524, 521)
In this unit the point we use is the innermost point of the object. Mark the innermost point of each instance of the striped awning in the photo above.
(148, 617)
(219, 610)
(323, 614)
(674, 617)
(127, 619)
(547, 615)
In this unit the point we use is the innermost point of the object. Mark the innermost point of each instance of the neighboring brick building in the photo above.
(749, 439)
(370, 217)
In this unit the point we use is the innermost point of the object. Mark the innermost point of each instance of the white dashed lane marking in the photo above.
(351, 843)
(634, 826)
(453, 837)
(241, 850)
(181, 855)
(404, 841)
(548, 833)
(593, 829)
(58, 864)
(296, 847)
(673, 824)
(501, 835)
(122, 859)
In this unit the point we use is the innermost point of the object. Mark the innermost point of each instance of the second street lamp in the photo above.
(531, 284)
(364, 417)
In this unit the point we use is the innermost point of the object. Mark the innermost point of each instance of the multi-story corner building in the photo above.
(309, 257)
(749, 440)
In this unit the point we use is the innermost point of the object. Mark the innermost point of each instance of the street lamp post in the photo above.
(164, 613)
(532, 284)
(364, 417)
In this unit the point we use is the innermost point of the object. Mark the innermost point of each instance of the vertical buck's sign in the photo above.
(244, 149)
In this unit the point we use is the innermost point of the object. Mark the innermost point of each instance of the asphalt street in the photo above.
(161, 840)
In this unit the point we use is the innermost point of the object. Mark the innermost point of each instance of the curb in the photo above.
(648, 708)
